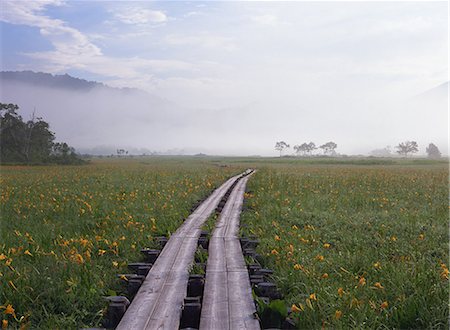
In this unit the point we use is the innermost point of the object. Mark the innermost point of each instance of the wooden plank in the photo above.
(157, 305)
(226, 263)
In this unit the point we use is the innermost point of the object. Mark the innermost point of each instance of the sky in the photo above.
(293, 71)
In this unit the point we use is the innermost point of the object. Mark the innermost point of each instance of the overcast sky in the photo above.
(300, 70)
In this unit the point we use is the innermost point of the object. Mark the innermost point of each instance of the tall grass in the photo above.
(355, 247)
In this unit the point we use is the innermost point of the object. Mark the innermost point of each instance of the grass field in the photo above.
(67, 231)
(355, 246)
(360, 243)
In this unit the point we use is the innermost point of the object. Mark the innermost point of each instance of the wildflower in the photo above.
(28, 253)
(384, 305)
(291, 249)
(326, 245)
(2, 257)
(295, 309)
(362, 281)
(294, 227)
(123, 277)
(115, 264)
(312, 296)
(340, 292)
(377, 265)
(320, 257)
(378, 285)
(325, 275)
(277, 238)
(421, 237)
(445, 272)
(274, 252)
(9, 310)
(101, 252)
(298, 267)
(78, 258)
(394, 238)
(84, 241)
(337, 314)
(4, 324)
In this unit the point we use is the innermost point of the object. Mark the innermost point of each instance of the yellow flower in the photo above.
(295, 309)
(378, 285)
(9, 310)
(101, 252)
(115, 264)
(298, 267)
(421, 237)
(79, 258)
(4, 324)
(377, 265)
(2, 257)
(274, 252)
(291, 248)
(384, 305)
(325, 275)
(444, 273)
(362, 281)
(28, 253)
(320, 257)
(312, 296)
(326, 245)
(277, 238)
(340, 292)
(294, 227)
(83, 241)
(337, 314)
(394, 238)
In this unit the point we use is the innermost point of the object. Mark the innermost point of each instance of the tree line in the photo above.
(307, 149)
(403, 149)
(32, 141)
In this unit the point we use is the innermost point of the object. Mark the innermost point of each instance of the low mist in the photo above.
(103, 119)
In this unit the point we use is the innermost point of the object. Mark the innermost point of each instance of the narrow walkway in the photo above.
(227, 299)
(158, 303)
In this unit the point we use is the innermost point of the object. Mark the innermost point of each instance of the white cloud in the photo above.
(203, 40)
(138, 15)
(69, 43)
(265, 19)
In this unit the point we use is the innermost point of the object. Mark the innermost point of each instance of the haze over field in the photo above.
(232, 77)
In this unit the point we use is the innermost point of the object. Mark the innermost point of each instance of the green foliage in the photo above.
(272, 314)
(380, 233)
(67, 231)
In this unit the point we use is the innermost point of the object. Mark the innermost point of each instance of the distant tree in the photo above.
(407, 147)
(301, 148)
(433, 151)
(12, 134)
(310, 147)
(385, 152)
(329, 148)
(26, 142)
(280, 146)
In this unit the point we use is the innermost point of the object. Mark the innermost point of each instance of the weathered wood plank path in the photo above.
(227, 300)
(158, 303)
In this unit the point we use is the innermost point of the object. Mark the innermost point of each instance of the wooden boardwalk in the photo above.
(158, 303)
(227, 299)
